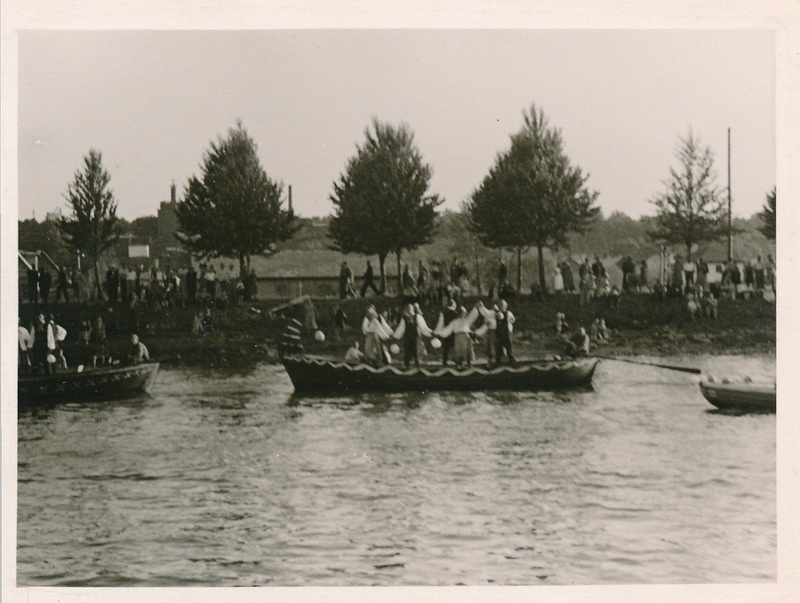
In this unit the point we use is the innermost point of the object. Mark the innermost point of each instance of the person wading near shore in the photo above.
(369, 281)
(446, 316)
(505, 329)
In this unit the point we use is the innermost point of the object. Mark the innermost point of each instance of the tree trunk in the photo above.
(519, 270)
(381, 260)
(399, 276)
(477, 272)
(542, 280)
(688, 252)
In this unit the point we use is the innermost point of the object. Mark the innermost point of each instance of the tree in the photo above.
(92, 226)
(532, 195)
(691, 209)
(768, 216)
(381, 202)
(233, 209)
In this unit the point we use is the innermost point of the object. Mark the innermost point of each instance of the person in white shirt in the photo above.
(354, 355)
(376, 331)
(505, 329)
(409, 330)
(461, 329)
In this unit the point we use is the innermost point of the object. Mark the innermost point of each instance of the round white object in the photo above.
(435, 343)
(319, 336)
(51, 359)
(394, 348)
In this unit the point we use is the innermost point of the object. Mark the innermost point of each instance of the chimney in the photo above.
(290, 197)
(172, 193)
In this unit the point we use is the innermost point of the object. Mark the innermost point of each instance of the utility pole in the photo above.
(730, 225)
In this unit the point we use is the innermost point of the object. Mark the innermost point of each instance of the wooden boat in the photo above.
(739, 397)
(316, 374)
(106, 383)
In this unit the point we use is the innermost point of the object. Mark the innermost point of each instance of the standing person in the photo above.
(702, 274)
(447, 316)
(409, 330)
(123, 284)
(505, 329)
(643, 274)
(558, 280)
(460, 329)
(689, 269)
(211, 283)
(569, 279)
(489, 330)
(502, 273)
(45, 280)
(62, 285)
(345, 280)
(423, 280)
(130, 284)
(191, 286)
(38, 345)
(376, 331)
(586, 286)
(759, 270)
(339, 322)
(409, 284)
(112, 283)
(24, 348)
(33, 285)
(369, 281)
(54, 335)
(77, 285)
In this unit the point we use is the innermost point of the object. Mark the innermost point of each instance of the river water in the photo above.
(224, 479)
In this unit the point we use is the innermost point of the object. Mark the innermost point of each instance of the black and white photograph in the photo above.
(483, 302)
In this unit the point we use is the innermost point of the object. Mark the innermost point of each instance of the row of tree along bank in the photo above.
(243, 335)
(532, 197)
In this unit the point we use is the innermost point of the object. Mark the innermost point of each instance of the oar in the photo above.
(683, 369)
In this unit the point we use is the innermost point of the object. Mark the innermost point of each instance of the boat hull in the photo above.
(101, 383)
(740, 397)
(310, 374)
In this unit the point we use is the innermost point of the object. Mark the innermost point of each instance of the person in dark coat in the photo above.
(45, 280)
(62, 285)
(33, 285)
(191, 285)
(369, 281)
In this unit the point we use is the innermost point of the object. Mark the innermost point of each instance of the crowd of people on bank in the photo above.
(425, 284)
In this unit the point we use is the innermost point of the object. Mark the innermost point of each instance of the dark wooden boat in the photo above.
(740, 397)
(106, 383)
(315, 374)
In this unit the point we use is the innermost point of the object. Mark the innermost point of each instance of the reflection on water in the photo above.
(231, 479)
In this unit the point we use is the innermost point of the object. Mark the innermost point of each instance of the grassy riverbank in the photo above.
(246, 334)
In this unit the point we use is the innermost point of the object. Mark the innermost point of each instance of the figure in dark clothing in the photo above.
(112, 282)
(33, 285)
(449, 314)
(345, 281)
(369, 281)
(62, 285)
(45, 280)
(191, 286)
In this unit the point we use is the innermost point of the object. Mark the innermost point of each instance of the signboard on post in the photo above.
(138, 251)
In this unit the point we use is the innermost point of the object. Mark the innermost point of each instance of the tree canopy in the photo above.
(768, 216)
(382, 202)
(92, 226)
(691, 209)
(532, 195)
(233, 209)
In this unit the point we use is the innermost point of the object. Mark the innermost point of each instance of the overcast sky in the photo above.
(152, 101)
